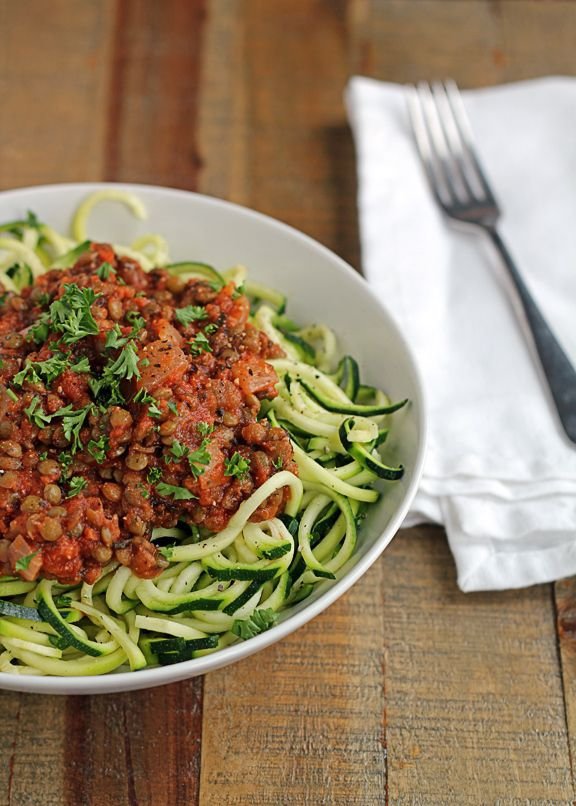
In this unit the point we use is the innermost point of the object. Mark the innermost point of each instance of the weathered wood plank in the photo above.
(565, 600)
(476, 42)
(136, 748)
(154, 93)
(302, 721)
(53, 85)
(474, 699)
(32, 748)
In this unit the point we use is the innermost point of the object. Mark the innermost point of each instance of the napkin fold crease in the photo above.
(500, 474)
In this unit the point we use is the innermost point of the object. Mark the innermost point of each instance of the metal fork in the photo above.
(444, 140)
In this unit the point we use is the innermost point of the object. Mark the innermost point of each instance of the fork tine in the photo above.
(436, 177)
(463, 131)
(435, 124)
(468, 183)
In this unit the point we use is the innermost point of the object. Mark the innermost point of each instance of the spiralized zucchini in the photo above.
(217, 588)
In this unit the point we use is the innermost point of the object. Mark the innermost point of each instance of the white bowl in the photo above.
(321, 288)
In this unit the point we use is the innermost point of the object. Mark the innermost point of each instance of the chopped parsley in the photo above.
(65, 459)
(211, 328)
(196, 459)
(259, 621)
(204, 428)
(199, 459)
(125, 366)
(142, 396)
(71, 315)
(154, 475)
(177, 452)
(178, 493)
(105, 271)
(76, 485)
(144, 492)
(72, 423)
(137, 322)
(12, 395)
(173, 407)
(24, 562)
(237, 465)
(97, 448)
(47, 371)
(36, 413)
(278, 463)
(191, 313)
(115, 339)
(200, 344)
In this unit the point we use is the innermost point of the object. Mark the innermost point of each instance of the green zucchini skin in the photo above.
(339, 407)
(19, 611)
(362, 452)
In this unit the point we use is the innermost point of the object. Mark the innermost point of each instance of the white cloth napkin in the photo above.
(499, 473)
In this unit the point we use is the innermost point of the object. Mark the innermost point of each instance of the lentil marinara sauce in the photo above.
(128, 401)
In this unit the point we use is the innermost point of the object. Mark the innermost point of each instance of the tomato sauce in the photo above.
(128, 400)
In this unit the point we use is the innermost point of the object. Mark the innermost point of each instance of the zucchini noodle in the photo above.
(217, 588)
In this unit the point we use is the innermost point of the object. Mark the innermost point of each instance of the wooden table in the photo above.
(406, 691)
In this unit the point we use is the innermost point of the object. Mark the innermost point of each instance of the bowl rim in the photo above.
(164, 675)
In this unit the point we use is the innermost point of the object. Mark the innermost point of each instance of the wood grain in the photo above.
(474, 697)
(405, 691)
(53, 89)
(155, 80)
(302, 721)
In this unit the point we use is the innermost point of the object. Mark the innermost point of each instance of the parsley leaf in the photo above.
(71, 315)
(154, 475)
(40, 330)
(142, 396)
(178, 493)
(72, 423)
(125, 366)
(258, 622)
(24, 562)
(173, 407)
(76, 485)
(97, 448)
(115, 339)
(47, 371)
(137, 322)
(191, 313)
(200, 344)
(237, 465)
(199, 457)
(65, 459)
(36, 413)
(177, 452)
(204, 428)
(105, 270)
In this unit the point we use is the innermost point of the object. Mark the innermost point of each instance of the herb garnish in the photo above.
(76, 485)
(97, 448)
(142, 396)
(154, 475)
(178, 493)
(71, 315)
(237, 465)
(200, 344)
(105, 271)
(189, 314)
(23, 563)
(259, 621)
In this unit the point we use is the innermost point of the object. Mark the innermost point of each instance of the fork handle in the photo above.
(558, 369)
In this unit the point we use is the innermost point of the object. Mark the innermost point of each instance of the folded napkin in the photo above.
(499, 473)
